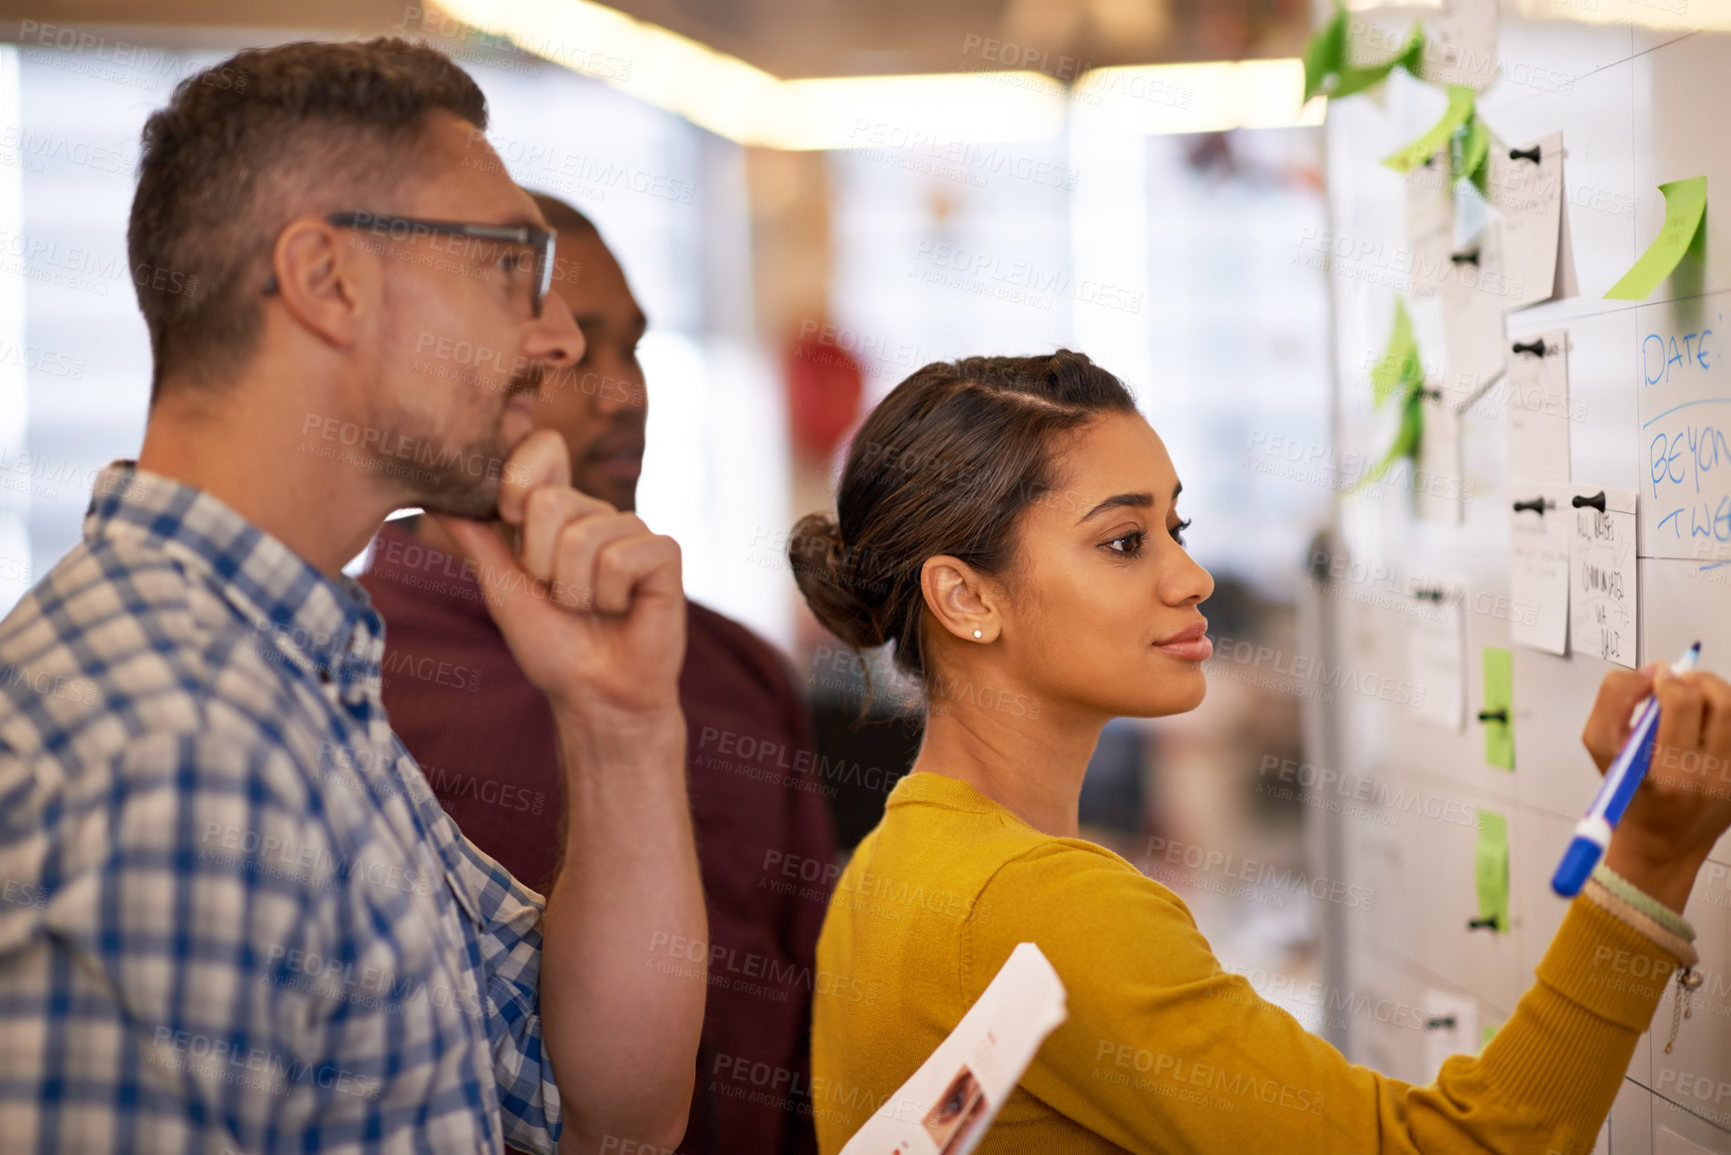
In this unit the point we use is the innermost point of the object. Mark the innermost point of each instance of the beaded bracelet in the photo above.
(1688, 979)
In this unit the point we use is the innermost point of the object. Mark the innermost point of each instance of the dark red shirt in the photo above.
(484, 738)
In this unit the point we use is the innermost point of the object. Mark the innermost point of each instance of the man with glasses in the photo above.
(252, 928)
(485, 738)
(522, 249)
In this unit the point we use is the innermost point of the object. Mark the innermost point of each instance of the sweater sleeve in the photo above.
(1164, 1051)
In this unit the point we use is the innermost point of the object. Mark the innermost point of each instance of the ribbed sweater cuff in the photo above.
(1607, 966)
(1598, 986)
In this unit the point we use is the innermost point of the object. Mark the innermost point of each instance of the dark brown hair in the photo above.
(946, 464)
(246, 146)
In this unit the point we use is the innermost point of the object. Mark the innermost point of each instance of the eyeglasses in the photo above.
(539, 241)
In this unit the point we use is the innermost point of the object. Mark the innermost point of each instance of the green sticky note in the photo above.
(1354, 80)
(1326, 53)
(1399, 373)
(1472, 149)
(1399, 370)
(1499, 695)
(1460, 109)
(1489, 1030)
(1491, 866)
(1411, 57)
(1407, 438)
(1685, 208)
(1326, 56)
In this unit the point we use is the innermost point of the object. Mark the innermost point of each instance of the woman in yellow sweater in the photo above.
(1010, 524)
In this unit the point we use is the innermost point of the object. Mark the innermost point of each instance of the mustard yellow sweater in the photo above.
(1164, 1051)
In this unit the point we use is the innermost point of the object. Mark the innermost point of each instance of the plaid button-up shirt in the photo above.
(234, 918)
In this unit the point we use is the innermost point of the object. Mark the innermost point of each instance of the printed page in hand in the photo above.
(948, 1104)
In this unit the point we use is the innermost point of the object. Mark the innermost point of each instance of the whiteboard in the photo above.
(1649, 410)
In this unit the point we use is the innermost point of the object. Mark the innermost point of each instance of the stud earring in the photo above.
(977, 634)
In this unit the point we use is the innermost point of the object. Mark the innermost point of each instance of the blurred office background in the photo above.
(1012, 176)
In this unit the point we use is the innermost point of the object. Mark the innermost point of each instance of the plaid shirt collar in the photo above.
(325, 625)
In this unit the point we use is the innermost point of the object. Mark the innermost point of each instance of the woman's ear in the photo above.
(961, 599)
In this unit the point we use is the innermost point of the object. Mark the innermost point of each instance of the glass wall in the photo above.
(668, 197)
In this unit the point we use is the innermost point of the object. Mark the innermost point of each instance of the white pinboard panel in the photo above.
(1632, 1120)
(1553, 697)
(1600, 194)
(1677, 88)
(1483, 962)
(1693, 1075)
(1386, 1010)
(1683, 603)
(1535, 838)
(1635, 108)
(1684, 399)
(1603, 363)
(1537, 845)
(1679, 93)
(1380, 844)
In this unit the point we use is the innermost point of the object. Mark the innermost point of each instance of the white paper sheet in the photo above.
(1684, 402)
(1539, 567)
(947, 1105)
(1430, 222)
(1474, 299)
(1439, 485)
(1437, 653)
(1537, 389)
(1530, 199)
(1602, 576)
(1461, 44)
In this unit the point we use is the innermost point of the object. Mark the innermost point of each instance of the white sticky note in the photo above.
(1536, 383)
(1430, 222)
(1684, 402)
(1602, 575)
(1670, 1143)
(1461, 44)
(1474, 296)
(1439, 456)
(1529, 195)
(1451, 1027)
(1436, 652)
(1539, 566)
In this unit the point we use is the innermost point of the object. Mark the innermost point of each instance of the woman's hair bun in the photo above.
(945, 465)
(831, 584)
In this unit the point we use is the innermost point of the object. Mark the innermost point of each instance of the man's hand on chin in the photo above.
(591, 603)
(591, 606)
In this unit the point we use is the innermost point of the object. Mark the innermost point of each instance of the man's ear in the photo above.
(963, 600)
(323, 281)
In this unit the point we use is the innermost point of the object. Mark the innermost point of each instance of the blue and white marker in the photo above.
(1593, 833)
